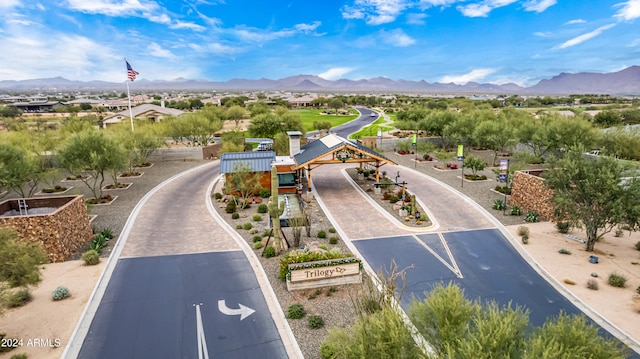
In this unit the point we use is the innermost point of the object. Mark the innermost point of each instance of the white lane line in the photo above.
(453, 268)
(203, 352)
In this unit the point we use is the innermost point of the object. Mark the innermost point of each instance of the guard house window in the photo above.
(286, 180)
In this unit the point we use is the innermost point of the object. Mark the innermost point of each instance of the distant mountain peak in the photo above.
(622, 82)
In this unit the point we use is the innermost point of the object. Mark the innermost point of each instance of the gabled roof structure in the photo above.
(340, 149)
(257, 161)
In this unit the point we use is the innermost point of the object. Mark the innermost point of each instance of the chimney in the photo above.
(294, 142)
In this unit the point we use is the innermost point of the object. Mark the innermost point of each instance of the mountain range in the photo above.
(623, 82)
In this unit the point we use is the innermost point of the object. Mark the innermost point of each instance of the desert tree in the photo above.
(593, 193)
(495, 135)
(244, 182)
(18, 170)
(236, 114)
(21, 263)
(92, 154)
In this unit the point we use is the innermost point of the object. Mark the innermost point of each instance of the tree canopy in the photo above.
(591, 193)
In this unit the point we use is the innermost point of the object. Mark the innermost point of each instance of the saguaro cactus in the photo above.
(275, 209)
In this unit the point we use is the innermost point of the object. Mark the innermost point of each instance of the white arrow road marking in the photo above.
(244, 311)
(203, 352)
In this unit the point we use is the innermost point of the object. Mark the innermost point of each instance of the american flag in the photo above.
(131, 73)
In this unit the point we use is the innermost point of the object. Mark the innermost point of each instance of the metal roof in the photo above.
(257, 161)
(327, 144)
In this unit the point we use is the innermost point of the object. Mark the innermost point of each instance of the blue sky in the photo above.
(489, 41)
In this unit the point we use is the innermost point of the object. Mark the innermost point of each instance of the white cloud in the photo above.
(335, 73)
(7, 4)
(483, 8)
(113, 7)
(584, 37)
(425, 4)
(20, 22)
(629, 10)
(397, 38)
(70, 56)
(575, 21)
(542, 34)
(416, 19)
(157, 51)
(538, 5)
(187, 25)
(634, 43)
(376, 12)
(258, 35)
(474, 75)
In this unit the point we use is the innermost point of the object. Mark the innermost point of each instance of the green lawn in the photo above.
(372, 130)
(308, 116)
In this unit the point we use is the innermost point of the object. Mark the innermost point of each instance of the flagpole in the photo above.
(130, 112)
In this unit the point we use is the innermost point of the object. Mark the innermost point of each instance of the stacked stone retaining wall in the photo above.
(61, 233)
(530, 194)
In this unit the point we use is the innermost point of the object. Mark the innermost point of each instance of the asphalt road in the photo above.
(482, 262)
(355, 125)
(177, 287)
(150, 310)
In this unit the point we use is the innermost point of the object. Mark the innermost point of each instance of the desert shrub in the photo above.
(498, 204)
(19, 356)
(332, 230)
(515, 211)
(262, 208)
(563, 227)
(617, 280)
(231, 207)
(265, 193)
(531, 217)
(315, 322)
(638, 245)
(107, 233)
(638, 290)
(238, 226)
(217, 195)
(296, 311)
(235, 215)
(564, 251)
(98, 243)
(525, 238)
(393, 198)
(257, 217)
(323, 246)
(619, 232)
(257, 239)
(247, 225)
(333, 240)
(571, 337)
(257, 245)
(315, 294)
(91, 257)
(269, 251)
(592, 284)
(383, 334)
(19, 298)
(503, 189)
(60, 293)
(322, 234)
(266, 233)
(522, 230)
